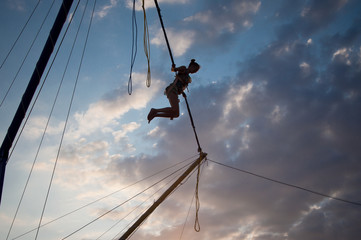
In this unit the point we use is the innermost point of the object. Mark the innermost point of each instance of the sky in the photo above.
(278, 97)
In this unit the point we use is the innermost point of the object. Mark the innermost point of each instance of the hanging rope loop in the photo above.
(134, 48)
(146, 44)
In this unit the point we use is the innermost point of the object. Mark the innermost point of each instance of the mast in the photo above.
(31, 88)
(163, 197)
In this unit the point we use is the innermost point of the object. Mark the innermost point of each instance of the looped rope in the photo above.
(134, 48)
(197, 226)
(146, 44)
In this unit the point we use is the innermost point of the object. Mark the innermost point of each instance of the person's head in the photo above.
(193, 67)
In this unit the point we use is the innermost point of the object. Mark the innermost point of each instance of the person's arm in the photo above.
(180, 69)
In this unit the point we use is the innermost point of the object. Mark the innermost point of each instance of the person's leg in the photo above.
(168, 112)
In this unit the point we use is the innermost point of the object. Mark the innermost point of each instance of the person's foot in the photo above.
(151, 115)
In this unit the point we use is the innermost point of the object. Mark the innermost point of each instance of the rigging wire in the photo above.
(134, 48)
(162, 187)
(42, 138)
(287, 184)
(185, 222)
(104, 197)
(139, 193)
(42, 85)
(67, 117)
(21, 32)
(26, 55)
(135, 219)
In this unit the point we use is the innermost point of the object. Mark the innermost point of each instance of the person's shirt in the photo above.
(182, 79)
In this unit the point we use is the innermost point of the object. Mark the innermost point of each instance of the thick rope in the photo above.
(134, 48)
(171, 58)
(165, 34)
(146, 44)
(191, 118)
(196, 223)
(197, 226)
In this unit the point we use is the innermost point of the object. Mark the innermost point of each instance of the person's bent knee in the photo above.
(175, 114)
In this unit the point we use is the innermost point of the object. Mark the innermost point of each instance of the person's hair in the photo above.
(194, 64)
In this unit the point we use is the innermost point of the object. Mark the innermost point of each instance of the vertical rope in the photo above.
(165, 34)
(197, 226)
(191, 118)
(134, 48)
(146, 44)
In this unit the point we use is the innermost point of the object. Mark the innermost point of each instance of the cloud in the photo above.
(180, 41)
(104, 11)
(36, 127)
(18, 5)
(121, 134)
(219, 22)
(151, 4)
(310, 19)
(106, 112)
(342, 55)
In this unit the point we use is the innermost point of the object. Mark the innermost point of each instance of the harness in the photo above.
(179, 84)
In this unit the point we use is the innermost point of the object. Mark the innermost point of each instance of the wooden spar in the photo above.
(163, 197)
(31, 88)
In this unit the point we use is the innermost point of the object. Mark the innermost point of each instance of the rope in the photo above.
(165, 34)
(171, 57)
(287, 184)
(191, 118)
(134, 48)
(196, 223)
(146, 44)
(197, 226)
